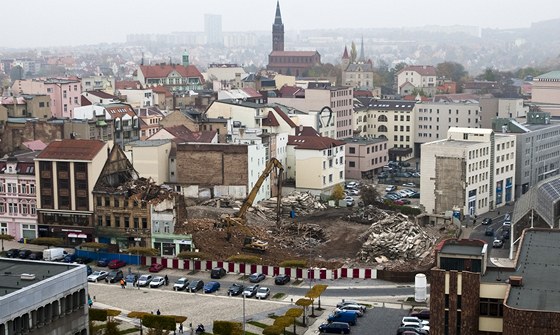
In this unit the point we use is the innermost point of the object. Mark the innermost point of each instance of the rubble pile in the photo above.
(303, 203)
(393, 237)
(301, 236)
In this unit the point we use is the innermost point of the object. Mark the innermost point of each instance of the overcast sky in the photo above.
(28, 23)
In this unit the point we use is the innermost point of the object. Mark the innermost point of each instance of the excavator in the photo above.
(238, 220)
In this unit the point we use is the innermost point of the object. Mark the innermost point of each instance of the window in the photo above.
(3, 228)
(491, 307)
(352, 164)
(352, 150)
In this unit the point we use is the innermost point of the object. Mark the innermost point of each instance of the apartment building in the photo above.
(67, 173)
(472, 169)
(175, 77)
(504, 108)
(101, 83)
(393, 120)
(27, 106)
(433, 119)
(64, 93)
(467, 296)
(365, 157)
(18, 204)
(417, 78)
(336, 102)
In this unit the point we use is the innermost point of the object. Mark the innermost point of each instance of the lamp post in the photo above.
(243, 313)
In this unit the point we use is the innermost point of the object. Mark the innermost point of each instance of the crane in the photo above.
(239, 220)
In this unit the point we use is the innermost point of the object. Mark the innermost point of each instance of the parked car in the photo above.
(350, 302)
(235, 289)
(131, 279)
(423, 314)
(83, 260)
(217, 273)
(262, 293)
(335, 328)
(498, 243)
(158, 281)
(116, 264)
(507, 217)
(349, 201)
(145, 280)
(350, 316)
(156, 267)
(489, 231)
(416, 174)
(409, 185)
(70, 258)
(281, 279)
(181, 284)
(390, 188)
(97, 276)
(114, 276)
(349, 308)
(353, 307)
(505, 235)
(352, 192)
(415, 195)
(23, 254)
(103, 262)
(398, 202)
(12, 253)
(351, 185)
(414, 320)
(487, 221)
(256, 277)
(250, 291)
(411, 328)
(506, 224)
(211, 286)
(195, 286)
(36, 256)
(89, 270)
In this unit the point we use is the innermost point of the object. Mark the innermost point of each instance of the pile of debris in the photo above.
(303, 203)
(392, 237)
(302, 236)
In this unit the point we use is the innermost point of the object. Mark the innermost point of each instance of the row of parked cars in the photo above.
(343, 317)
(38, 256)
(417, 323)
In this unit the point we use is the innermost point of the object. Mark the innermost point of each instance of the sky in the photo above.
(40, 23)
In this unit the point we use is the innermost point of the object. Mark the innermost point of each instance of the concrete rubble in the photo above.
(392, 237)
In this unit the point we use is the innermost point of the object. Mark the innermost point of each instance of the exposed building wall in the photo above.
(15, 134)
(449, 185)
(521, 322)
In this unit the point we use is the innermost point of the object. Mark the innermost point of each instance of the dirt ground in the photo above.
(323, 237)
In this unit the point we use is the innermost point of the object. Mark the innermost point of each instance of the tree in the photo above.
(5, 237)
(337, 192)
(452, 70)
(48, 241)
(369, 195)
(353, 53)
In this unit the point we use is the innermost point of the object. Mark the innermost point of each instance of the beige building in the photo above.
(315, 163)
(492, 108)
(102, 83)
(390, 119)
(365, 157)
(150, 159)
(417, 77)
(472, 169)
(338, 99)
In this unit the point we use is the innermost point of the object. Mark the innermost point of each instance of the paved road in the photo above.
(497, 224)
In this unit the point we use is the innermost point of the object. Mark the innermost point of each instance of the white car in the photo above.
(262, 293)
(351, 308)
(97, 275)
(144, 280)
(350, 302)
(181, 284)
(157, 282)
(416, 322)
(390, 188)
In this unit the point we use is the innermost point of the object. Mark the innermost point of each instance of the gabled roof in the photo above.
(306, 131)
(84, 101)
(116, 171)
(101, 94)
(148, 111)
(290, 91)
(284, 116)
(119, 109)
(183, 134)
(345, 54)
(163, 70)
(162, 89)
(128, 85)
(83, 150)
(423, 70)
(361, 67)
(313, 142)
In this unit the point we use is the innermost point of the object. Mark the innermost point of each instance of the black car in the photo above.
(114, 276)
(70, 258)
(12, 253)
(36, 256)
(281, 279)
(23, 254)
(335, 327)
(487, 221)
(195, 285)
(416, 330)
(235, 289)
(217, 273)
(422, 315)
(489, 231)
(83, 260)
(505, 235)
(256, 277)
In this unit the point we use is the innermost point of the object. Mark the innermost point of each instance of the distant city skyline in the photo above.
(39, 23)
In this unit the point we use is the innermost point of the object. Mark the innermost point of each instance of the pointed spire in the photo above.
(278, 17)
(362, 57)
(345, 54)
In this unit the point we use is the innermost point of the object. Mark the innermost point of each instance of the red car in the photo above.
(156, 267)
(115, 264)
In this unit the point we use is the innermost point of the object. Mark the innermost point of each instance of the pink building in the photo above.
(365, 157)
(18, 215)
(65, 93)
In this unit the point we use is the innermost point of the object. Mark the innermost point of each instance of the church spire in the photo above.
(278, 30)
(345, 54)
(362, 57)
(278, 17)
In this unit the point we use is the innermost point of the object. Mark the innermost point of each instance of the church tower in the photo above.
(278, 30)
(345, 59)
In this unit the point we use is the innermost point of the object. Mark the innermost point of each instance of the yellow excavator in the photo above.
(238, 221)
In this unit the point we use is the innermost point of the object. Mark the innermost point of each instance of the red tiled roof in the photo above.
(284, 117)
(102, 95)
(306, 131)
(313, 142)
(36, 145)
(163, 70)
(72, 150)
(118, 110)
(251, 92)
(128, 84)
(180, 131)
(84, 101)
(362, 93)
(205, 136)
(423, 70)
(270, 121)
(289, 91)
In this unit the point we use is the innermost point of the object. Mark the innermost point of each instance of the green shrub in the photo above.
(97, 314)
(227, 328)
(294, 263)
(159, 321)
(250, 259)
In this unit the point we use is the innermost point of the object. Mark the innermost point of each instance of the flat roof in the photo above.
(11, 271)
(461, 249)
(539, 266)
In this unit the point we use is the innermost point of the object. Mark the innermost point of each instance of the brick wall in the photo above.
(437, 301)
(521, 322)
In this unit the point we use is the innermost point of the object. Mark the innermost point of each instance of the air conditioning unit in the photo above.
(516, 281)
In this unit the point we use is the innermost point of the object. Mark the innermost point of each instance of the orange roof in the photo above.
(313, 142)
(83, 150)
(163, 70)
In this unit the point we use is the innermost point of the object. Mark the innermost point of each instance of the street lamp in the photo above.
(243, 312)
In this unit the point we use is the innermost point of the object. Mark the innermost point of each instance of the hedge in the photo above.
(294, 263)
(159, 321)
(227, 328)
(97, 314)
